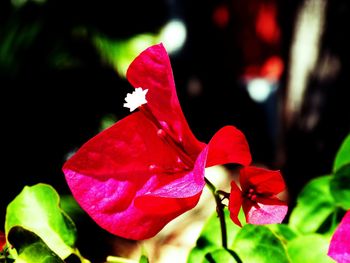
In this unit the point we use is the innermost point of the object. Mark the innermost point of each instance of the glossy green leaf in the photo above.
(314, 205)
(340, 187)
(221, 255)
(343, 155)
(210, 237)
(310, 248)
(258, 244)
(30, 247)
(37, 209)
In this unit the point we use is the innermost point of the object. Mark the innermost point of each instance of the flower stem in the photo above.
(220, 211)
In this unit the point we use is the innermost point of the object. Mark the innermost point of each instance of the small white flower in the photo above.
(135, 99)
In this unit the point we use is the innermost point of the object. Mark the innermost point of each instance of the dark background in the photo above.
(56, 88)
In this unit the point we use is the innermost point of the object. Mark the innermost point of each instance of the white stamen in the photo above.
(135, 99)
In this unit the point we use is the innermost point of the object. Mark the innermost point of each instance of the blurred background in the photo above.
(276, 69)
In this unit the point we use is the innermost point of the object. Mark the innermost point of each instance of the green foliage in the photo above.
(309, 248)
(340, 187)
(30, 247)
(343, 155)
(210, 237)
(283, 232)
(16, 37)
(120, 53)
(37, 209)
(70, 206)
(143, 259)
(107, 121)
(221, 255)
(256, 243)
(314, 205)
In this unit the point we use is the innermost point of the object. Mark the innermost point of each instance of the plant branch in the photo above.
(219, 210)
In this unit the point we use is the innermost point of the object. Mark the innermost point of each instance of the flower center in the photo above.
(251, 194)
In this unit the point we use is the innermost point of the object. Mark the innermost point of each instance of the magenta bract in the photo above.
(148, 168)
(339, 248)
(258, 196)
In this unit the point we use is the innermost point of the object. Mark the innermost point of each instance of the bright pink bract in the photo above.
(258, 196)
(339, 248)
(148, 168)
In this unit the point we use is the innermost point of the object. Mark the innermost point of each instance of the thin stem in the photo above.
(220, 211)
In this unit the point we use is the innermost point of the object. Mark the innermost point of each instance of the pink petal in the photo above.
(152, 70)
(235, 203)
(228, 145)
(339, 248)
(129, 150)
(126, 162)
(260, 214)
(176, 196)
(264, 181)
(185, 184)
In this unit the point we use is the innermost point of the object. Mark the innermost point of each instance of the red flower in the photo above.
(339, 248)
(148, 168)
(2, 241)
(258, 196)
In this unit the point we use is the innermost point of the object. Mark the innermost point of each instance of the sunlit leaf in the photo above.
(343, 155)
(310, 248)
(314, 205)
(143, 259)
(210, 237)
(221, 255)
(340, 187)
(120, 53)
(30, 247)
(37, 209)
(258, 244)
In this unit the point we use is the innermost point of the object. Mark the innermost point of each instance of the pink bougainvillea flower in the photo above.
(257, 196)
(339, 248)
(148, 168)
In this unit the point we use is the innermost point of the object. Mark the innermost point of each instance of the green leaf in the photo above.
(30, 247)
(340, 187)
(314, 205)
(210, 237)
(120, 53)
(310, 248)
(143, 259)
(258, 244)
(283, 232)
(70, 206)
(37, 209)
(343, 155)
(221, 255)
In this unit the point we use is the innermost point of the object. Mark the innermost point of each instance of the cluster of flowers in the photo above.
(148, 168)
